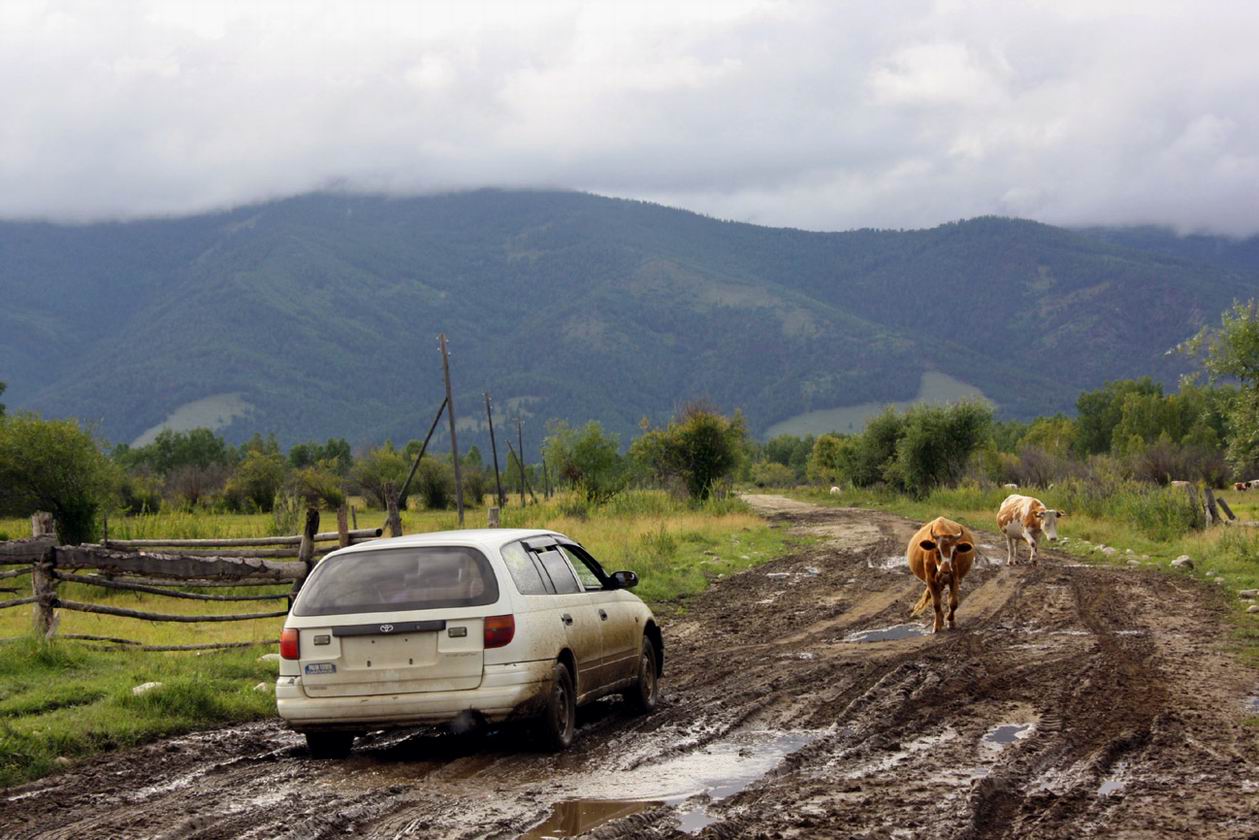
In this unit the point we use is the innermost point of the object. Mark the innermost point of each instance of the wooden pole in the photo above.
(500, 499)
(520, 451)
(546, 479)
(44, 579)
(306, 550)
(343, 527)
(354, 517)
(402, 494)
(1213, 513)
(524, 480)
(392, 517)
(1224, 507)
(454, 442)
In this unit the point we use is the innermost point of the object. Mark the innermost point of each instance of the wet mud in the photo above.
(800, 701)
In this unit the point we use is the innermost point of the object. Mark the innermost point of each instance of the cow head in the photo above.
(1049, 523)
(948, 546)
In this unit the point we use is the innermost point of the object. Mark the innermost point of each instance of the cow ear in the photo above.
(964, 547)
(927, 545)
(1062, 513)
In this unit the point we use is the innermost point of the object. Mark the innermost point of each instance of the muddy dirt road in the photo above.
(1070, 702)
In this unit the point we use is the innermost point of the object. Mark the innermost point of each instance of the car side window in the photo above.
(523, 570)
(559, 571)
(589, 572)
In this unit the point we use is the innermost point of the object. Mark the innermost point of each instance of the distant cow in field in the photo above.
(835, 491)
(1180, 484)
(940, 554)
(1254, 483)
(1027, 519)
(1241, 486)
(1010, 486)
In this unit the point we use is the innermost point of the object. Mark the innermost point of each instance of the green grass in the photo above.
(66, 700)
(71, 699)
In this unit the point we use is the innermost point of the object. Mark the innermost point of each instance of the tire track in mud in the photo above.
(1132, 715)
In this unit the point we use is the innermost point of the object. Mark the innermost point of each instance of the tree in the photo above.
(936, 445)
(1232, 351)
(54, 465)
(586, 458)
(1101, 410)
(378, 468)
(700, 448)
(827, 458)
(260, 476)
(171, 450)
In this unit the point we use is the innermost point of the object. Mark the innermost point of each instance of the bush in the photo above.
(318, 484)
(771, 474)
(140, 494)
(586, 459)
(54, 465)
(435, 484)
(256, 481)
(701, 448)
(378, 468)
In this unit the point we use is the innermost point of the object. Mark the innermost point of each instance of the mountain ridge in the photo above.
(321, 311)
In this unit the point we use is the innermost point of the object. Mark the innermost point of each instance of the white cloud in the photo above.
(809, 113)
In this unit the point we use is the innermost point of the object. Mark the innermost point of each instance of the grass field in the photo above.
(62, 701)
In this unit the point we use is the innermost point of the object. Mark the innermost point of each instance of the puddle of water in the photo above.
(1004, 734)
(1109, 786)
(887, 634)
(574, 817)
(719, 770)
(895, 562)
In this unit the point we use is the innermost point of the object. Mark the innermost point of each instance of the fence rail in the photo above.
(176, 564)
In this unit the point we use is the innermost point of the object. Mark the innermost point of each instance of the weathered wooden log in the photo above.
(12, 573)
(343, 527)
(1227, 510)
(393, 518)
(111, 583)
(102, 609)
(30, 550)
(174, 565)
(44, 580)
(17, 602)
(194, 583)
(85, 637)
(324, 536)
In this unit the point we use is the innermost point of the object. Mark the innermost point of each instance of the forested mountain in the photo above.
(317, 315)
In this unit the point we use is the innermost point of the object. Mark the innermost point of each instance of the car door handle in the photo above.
(603, 615)
(567, 619)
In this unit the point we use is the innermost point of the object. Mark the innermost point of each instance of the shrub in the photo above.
(771, 474)
(701, 448)
(586, 459)
(54, 465)
(378, 468)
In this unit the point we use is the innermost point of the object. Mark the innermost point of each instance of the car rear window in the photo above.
(418, 578)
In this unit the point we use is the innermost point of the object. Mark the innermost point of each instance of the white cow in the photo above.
(1027, 519)
(835, 491)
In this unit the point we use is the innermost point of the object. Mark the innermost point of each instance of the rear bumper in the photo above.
(506, 691)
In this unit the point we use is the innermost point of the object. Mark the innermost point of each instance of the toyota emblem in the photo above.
(386, 628)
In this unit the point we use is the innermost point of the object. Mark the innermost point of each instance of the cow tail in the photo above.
(923, 602)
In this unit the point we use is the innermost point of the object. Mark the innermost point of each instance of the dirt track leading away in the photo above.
(1071, 701)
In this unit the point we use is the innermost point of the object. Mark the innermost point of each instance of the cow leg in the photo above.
(955, 598)
(935, 604)
(1011, 550)
(1035, 558)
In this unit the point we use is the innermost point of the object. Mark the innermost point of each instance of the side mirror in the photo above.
(625, 580)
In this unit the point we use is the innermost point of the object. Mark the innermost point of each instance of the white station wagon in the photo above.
(462, 627)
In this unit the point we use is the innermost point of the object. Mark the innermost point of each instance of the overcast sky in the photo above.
(823, 115)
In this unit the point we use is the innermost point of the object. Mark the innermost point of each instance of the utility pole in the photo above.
(454, 442)
(520, 451)
(498, 481)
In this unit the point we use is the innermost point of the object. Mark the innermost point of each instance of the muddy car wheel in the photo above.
(329, 744)
(558, 724)
(645, 694)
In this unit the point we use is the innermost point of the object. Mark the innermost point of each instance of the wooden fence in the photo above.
(165, 567)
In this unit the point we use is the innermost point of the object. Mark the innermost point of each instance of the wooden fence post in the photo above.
(343, 527)
(44, 579)
(354, 517)
(495, 520)
(1213, 513)
(394, 518)
(306, 551)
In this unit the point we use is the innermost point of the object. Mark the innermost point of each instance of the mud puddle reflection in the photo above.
(1002, 735)
(887, 634)
(716, 772)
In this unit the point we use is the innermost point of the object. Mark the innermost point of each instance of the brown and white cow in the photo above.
(1027, 519)
(940, 554)
(1241, 486)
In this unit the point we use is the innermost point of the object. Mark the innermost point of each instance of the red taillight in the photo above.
(288, 643)
(499, 630)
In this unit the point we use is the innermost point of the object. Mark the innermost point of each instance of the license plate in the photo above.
(321, 668)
